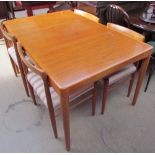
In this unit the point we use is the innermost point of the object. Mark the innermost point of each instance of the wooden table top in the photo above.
(73, 50)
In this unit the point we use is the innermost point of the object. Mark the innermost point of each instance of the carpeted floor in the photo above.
(26, 128)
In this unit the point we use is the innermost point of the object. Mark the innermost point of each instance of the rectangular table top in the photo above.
(73, 50)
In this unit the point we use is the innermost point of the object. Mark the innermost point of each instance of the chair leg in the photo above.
(53, 121)
(105, 94)
(17, 68)
(25, 85)
(94, 99)
(131, 84)
(13, 66)
(25, 82)
(50, 109)
(52, 117)
(32, 93)
(148, 81)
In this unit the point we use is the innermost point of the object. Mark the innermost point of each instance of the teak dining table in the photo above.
(75, 51)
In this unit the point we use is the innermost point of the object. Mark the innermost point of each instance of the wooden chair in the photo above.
(127, 71)
(116, 14)
(11, 44)
(86, 15)
(38, 82)
(125, 31)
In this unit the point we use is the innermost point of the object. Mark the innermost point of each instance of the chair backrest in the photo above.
(86, 15)
(10, 40)
(28, 64)
(125, 31)
(116, 14)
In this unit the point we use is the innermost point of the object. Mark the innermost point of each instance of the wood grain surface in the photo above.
(74, 51)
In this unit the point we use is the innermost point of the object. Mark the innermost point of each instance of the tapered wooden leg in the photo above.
(32, 93)
(131, 84)
(17, 69)
(140, 78)
(50, 108)
(20, 70)
(66, 122)
(105, 94)
(13, 66)
(52, 118)
(53, 122)
(24, 72)
(25, 84)
(94, 99)
(148, 81)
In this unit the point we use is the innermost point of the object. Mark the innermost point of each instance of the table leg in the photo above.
(66, 123)
(94, 98)
(140, 78)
